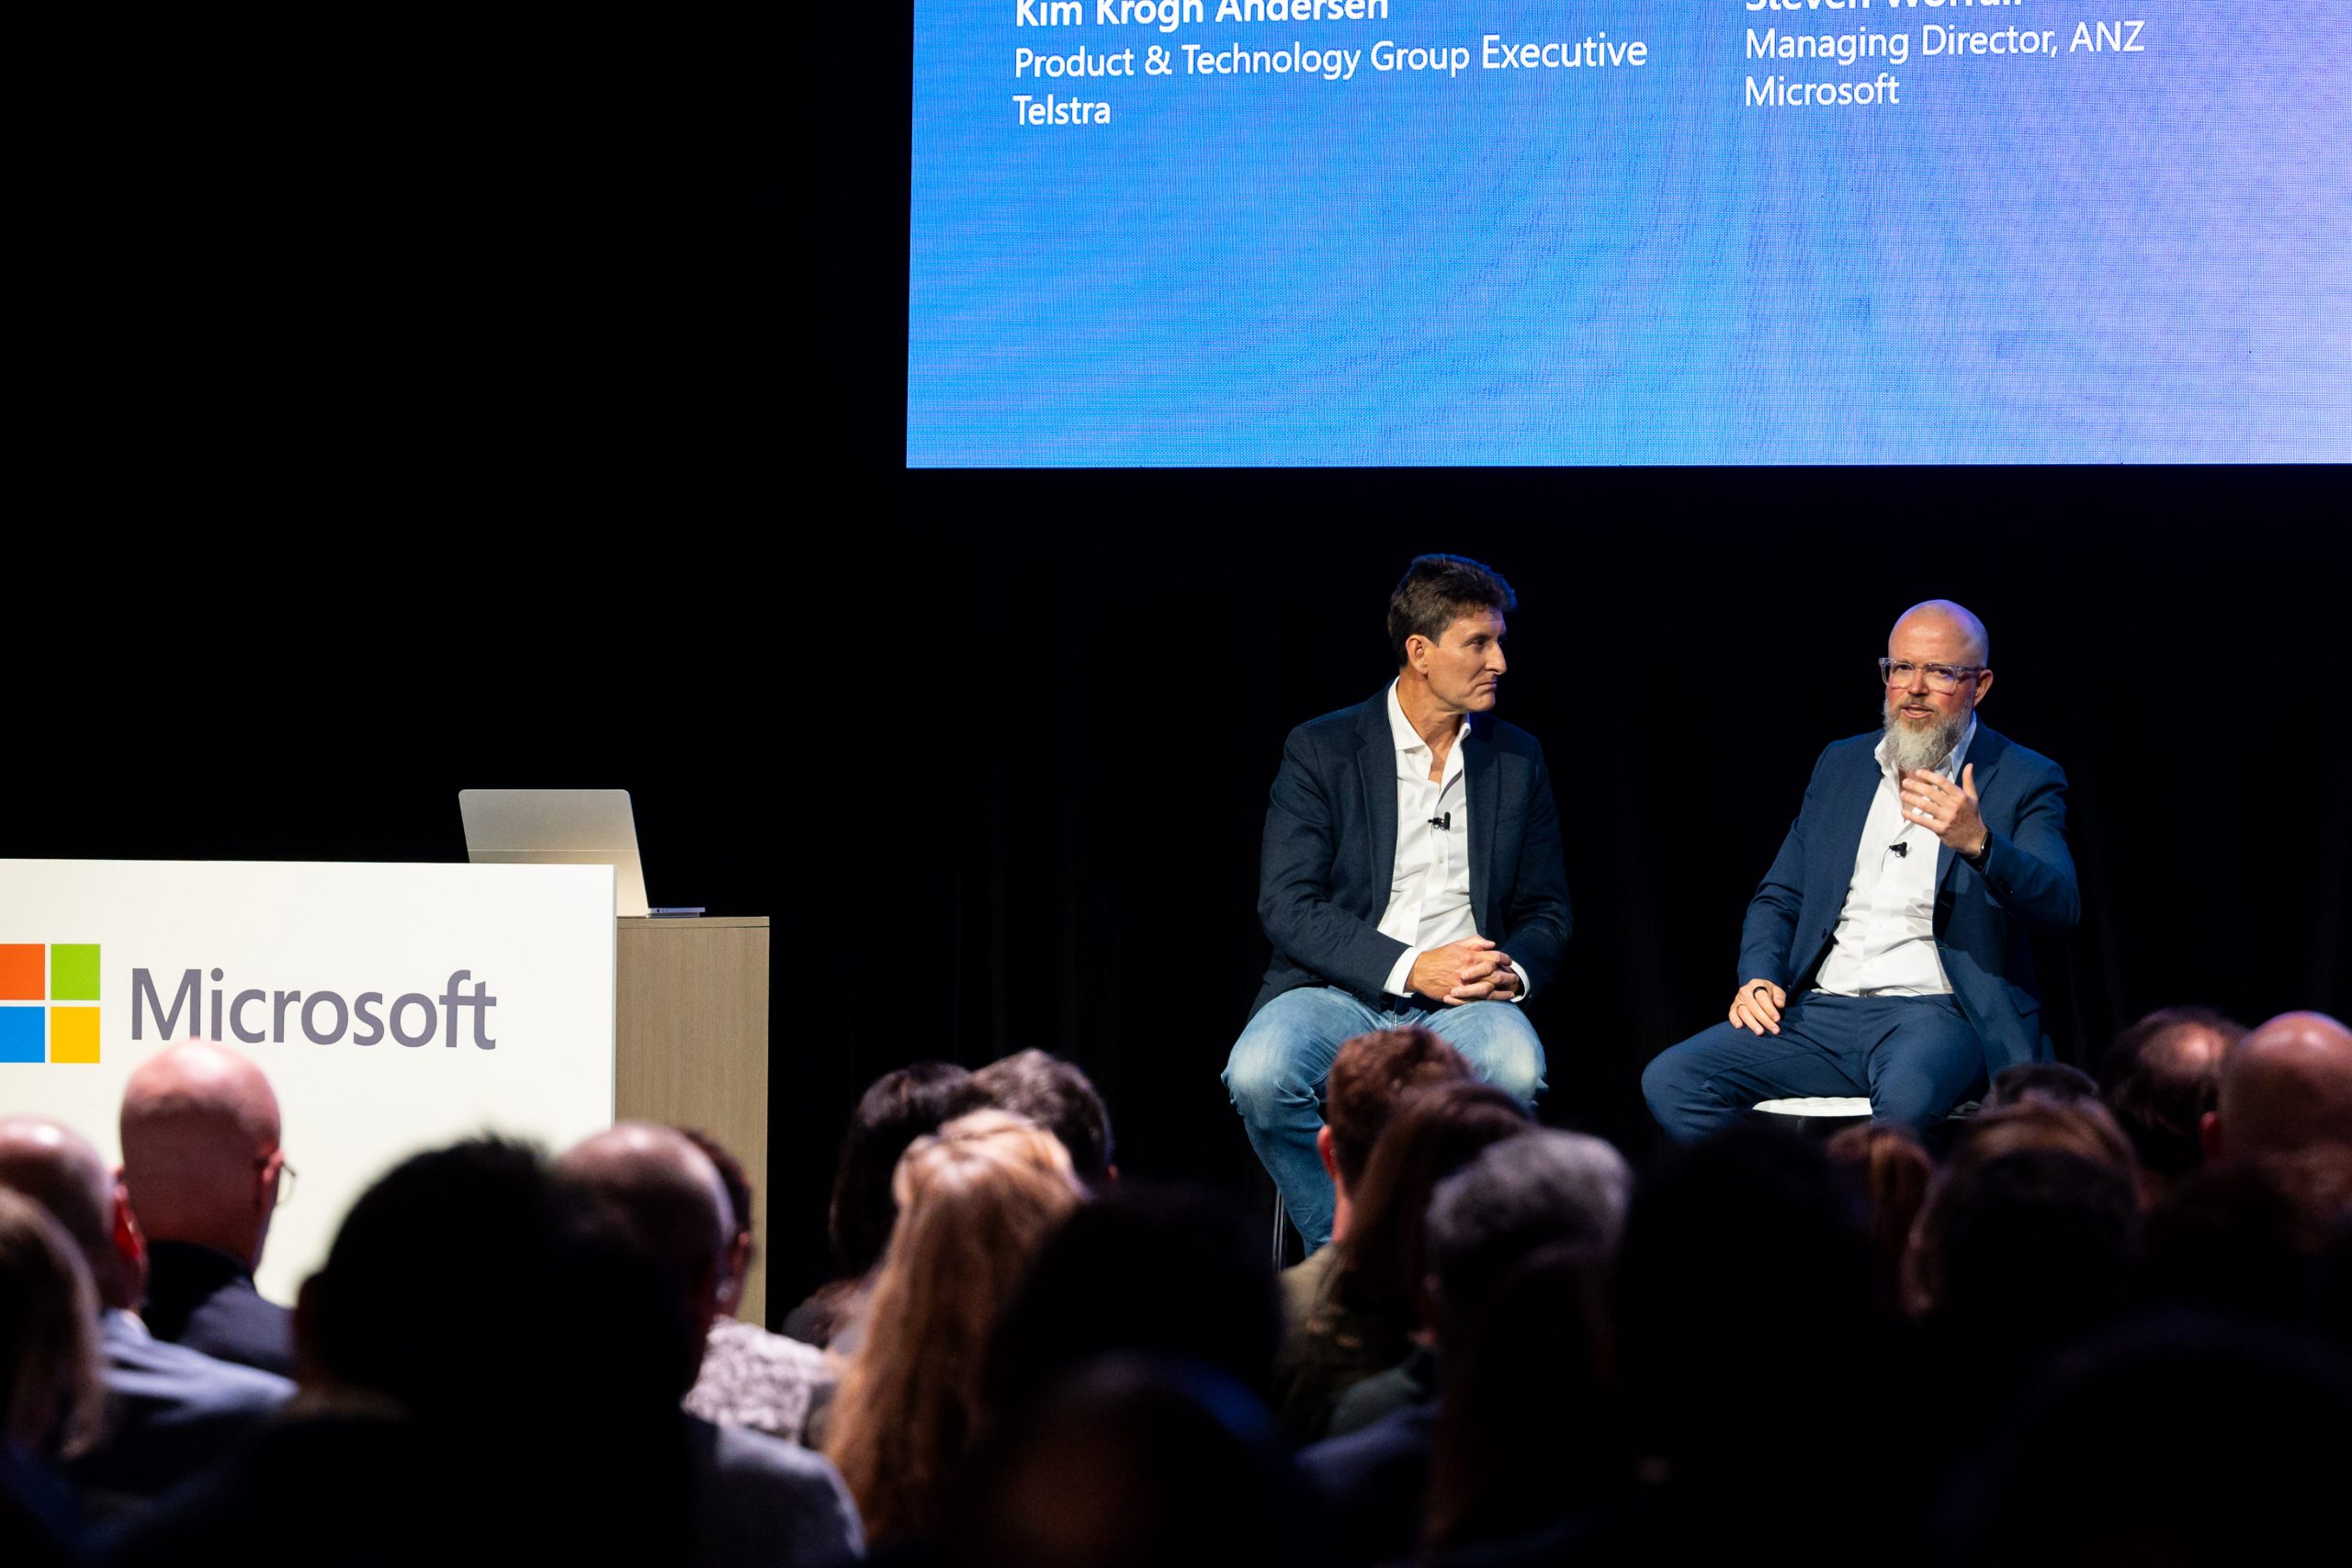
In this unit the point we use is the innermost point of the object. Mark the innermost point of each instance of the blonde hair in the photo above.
(976, 1201)
(49, 1337)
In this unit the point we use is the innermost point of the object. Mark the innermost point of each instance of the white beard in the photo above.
(1908, 747)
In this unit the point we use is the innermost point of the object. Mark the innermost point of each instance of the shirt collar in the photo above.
(1951, 770)
(1401, 731)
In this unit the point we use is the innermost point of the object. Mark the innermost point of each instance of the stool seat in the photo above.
(1818, 1105)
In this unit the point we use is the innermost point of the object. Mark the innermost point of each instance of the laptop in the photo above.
(557, 827)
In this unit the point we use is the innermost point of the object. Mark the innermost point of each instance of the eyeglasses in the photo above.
(286, 1174)
(1940, 677)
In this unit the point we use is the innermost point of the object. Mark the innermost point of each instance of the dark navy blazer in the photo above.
(1329, 855)
(1984, 913)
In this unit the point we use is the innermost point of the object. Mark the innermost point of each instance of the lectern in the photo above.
(691, 1045)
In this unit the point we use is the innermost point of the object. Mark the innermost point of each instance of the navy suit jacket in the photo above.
(1984, 914)
(1329, 855)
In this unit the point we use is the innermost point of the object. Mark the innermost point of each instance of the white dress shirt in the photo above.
(1429, 885)
(1886, 943)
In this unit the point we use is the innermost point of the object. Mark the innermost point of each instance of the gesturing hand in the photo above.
(1438, 973)
(1756, 1008)
(1946, 809)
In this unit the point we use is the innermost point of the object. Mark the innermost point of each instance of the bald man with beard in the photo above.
(1888, 952)
(757, 1499)
(171, 1411)
(201, 1162)
(2286, 1087)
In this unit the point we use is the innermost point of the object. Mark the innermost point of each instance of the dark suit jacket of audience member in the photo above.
(206, 1300)
(1329, 855)
(172, 1412)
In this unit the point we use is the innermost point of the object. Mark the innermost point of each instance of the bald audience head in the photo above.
(2287, 1086)
(200, 1157)
(670, 1199)
(57, 1168)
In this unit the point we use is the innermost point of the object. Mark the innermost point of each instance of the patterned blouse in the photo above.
(766, 1382)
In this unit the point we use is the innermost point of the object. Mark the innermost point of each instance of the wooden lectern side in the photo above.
(691, 1048)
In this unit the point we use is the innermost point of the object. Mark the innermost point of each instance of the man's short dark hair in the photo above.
(2160, 1090)
(1435, 591)
(1369, 1075)
(2049, 1081)
(1054, 1094)
(897, 1109)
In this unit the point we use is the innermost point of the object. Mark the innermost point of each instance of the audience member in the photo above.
(1137, 1462)
(976, 1203)
(750, 1377)
(2160, 1077)
(754, 1498)
(172, 1410)
(1368, 1076)
(2053, 1082)
(202, 1163)
(2022, 1254)
(1889, 1171)
(50, 1399)
(1520, 1409)
(2286, 1086)
(1158, 1270)
(489, 1375)
(895, 1110)
(2246, 1237)
(1058, 1096)
(2180, 1442)
(1373, 1308)
(1744, 1316)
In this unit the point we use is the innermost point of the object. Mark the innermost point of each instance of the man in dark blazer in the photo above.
(1410, 875)
(201, 1162)
(1898, 912)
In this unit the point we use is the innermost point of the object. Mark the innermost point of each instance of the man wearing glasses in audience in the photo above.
(1886, 952)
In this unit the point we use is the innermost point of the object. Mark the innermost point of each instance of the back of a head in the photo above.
(532, 1347)
(1889, 1168)
(49, 1357)
(1433, 1132)
(198, 1124)
(1369, 1075)
(2030, 1252)
(2053, 1081)
(976, 1202)
(2246, 1237)
(664, 1194)
(1749, 1244)
(2286, 1086)
(2080, 1127)
(1054, 1094)
(1170, 1270)
(1544, 1188)
(2160, 1077)
(1137, 1462)
(57, 1168)
(897, 1109)
(2181, 1442)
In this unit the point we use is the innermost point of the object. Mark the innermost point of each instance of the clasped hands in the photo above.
(1471, 970)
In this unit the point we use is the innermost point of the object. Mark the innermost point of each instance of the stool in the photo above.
(1818, 1115)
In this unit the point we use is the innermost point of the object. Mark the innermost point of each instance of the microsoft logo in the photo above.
(49, 1001)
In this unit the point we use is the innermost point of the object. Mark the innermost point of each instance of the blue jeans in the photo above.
(1915, 1057)
(1275, 1077)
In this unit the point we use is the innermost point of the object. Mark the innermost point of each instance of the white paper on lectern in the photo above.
(539, 939)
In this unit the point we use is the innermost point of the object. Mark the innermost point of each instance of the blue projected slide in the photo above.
(1746, 232)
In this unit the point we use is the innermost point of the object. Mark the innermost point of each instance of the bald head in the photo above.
(200, 1149)
(1942, 615)
(669, 1197)
(2287, 1086)
(57, 1168)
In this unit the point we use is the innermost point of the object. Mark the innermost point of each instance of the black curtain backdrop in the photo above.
(1002, 785)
